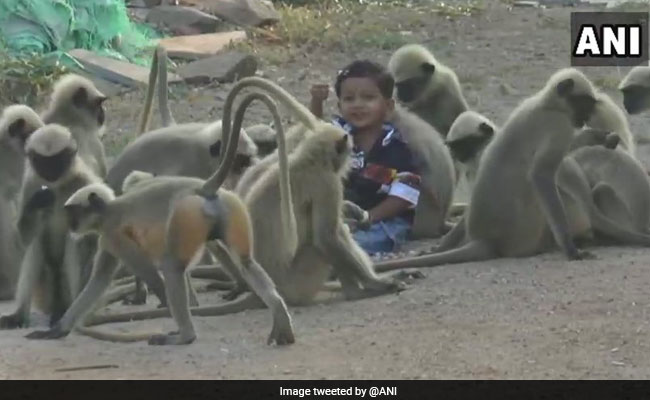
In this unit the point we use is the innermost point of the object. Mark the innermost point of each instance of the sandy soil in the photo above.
(537, 318)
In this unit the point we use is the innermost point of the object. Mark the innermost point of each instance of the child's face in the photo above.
(361, 103)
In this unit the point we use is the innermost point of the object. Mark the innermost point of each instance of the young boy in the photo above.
(383, 180)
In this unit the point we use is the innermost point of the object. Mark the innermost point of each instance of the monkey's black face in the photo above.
(241, 162)
(94, 106)
(409, 90)
(466, 148)
(52, 168)
(636, 99)
(582, 106)
(19, 132)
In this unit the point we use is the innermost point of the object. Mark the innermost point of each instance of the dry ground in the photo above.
(541, 317)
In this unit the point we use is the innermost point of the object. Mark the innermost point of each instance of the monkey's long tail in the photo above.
(114, 336)
(247, 302)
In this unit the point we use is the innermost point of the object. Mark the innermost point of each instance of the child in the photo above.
(383, 180)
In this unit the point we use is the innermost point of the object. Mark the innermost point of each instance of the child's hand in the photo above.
(319, 92)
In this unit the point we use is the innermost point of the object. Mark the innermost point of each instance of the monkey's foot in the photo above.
(138, 298)
(282, 332)
(53, 333)
(408, 275)
(13, 321)
(172, 338)
(582, 255)
(233, 293)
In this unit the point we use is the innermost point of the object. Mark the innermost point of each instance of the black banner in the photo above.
(294, 390)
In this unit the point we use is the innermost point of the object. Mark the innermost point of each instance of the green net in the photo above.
(46, 26)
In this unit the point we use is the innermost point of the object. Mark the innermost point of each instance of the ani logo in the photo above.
(609, 38)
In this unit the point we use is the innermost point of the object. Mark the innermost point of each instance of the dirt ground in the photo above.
(535, 318)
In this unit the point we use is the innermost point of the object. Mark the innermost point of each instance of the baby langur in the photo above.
(17, 123)
(79, 106)
(50, 270)
(608, 116)
(515, 198)
(165, 222)
(427, 87)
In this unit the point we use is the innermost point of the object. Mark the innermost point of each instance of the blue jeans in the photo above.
(383, 236)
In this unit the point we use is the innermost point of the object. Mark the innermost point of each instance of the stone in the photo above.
(183, 19)
(200, 46)
(224, 67)
(240, 12)
(525, 3)
(115, 71)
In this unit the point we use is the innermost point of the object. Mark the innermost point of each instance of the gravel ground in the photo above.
(534, 318)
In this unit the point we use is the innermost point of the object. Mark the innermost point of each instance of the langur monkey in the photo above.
(636, 90)
(515, 201)
(295, 209)
(427, 87)
(17, 123)
(609, 117)
(78, 105)
(165, 222)
(50, 272)
(436, 169)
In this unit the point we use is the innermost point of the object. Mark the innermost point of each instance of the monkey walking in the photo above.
(164, 222)
(297, 260)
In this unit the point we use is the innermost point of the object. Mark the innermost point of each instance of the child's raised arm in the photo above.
(319, 93)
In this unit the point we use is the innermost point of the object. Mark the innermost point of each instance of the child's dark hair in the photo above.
(366, 69)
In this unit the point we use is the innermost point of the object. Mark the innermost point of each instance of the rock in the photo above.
(224, 67)
(178, 19)
(115, 71)
(525, 3)
(200, 46)
(240, 12)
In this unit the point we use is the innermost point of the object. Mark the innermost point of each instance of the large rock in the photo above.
(180, 19)
(240, 12)
(224, 67)
(200, 46)
(115, 71)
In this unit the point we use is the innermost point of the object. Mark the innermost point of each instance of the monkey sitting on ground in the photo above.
(165, 222)
(427, 87)
(17, 123)
(50, 271)
(515, 199)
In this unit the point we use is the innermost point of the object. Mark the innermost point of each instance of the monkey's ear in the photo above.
(565, 87)
(80, 97)
(215, 148)
(342, 144)
(486, 129)
(16, 128)
(428, 68)
(95, 202)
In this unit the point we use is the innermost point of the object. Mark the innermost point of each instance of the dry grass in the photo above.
(343, 25)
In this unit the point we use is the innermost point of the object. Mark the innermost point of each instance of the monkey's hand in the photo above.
(43, 198)
(356, 217)
(282, 332)
(56, 332)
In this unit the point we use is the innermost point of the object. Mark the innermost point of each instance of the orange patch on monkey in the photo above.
(188, 228)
